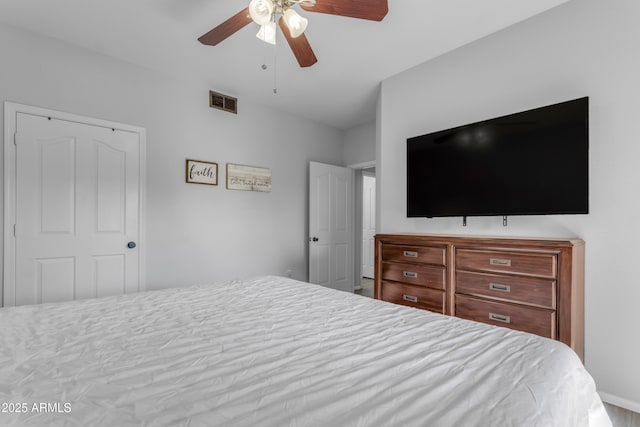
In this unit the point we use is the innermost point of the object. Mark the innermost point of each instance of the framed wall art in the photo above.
(248, 178)
(199, 172)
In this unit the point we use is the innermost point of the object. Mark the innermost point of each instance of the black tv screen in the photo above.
(529, 163)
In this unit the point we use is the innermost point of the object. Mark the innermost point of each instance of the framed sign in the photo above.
(199, 172)
(248, 178)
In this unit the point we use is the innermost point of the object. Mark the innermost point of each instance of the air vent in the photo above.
(223, 102)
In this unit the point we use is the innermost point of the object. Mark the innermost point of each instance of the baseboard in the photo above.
(619, 401)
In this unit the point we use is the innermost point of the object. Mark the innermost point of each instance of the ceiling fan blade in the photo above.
(373, 10)
(227, 28)
(300, 46)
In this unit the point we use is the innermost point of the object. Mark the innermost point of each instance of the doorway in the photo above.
(365, 208)
(368, 221)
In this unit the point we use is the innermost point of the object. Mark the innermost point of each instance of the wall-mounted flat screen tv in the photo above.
(529, 163)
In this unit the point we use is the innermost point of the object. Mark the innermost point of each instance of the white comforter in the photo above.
(278, 352)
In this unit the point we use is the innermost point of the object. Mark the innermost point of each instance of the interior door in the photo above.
(77, 210)
(331, 226)
(368, 224)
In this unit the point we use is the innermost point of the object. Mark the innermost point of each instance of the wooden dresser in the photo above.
(533, 285)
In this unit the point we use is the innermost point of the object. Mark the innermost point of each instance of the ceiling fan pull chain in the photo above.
(275, 69)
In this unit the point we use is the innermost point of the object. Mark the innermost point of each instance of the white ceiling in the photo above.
(353, 55)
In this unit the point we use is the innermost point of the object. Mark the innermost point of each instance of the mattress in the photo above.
(271, 351)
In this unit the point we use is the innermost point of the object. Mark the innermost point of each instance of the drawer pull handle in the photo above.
(410, 298)
(411, 254)
(500, 262)
(499, 287)
(499, 318)
(410, 274)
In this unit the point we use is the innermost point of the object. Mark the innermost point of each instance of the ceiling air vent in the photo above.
(223, 102)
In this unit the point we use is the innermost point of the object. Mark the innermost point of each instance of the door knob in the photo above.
(313, 239)
(131, 245)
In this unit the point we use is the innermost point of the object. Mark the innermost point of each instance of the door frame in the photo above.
(11, 110)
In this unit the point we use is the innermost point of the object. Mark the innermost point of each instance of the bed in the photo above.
(272, 351)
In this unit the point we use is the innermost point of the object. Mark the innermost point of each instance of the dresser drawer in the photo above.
(413, 296)
(534, 320)
(421, 254)
(414, 274)
(520, 289)
(534, 264)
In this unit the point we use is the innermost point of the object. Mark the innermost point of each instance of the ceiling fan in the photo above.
(266, 12)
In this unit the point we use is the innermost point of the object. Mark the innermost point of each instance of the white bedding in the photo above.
(277, 352)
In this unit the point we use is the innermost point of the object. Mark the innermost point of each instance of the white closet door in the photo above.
(77, 210)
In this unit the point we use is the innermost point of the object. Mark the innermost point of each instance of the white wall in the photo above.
(583, 48)
(360, 144)
(195, 233)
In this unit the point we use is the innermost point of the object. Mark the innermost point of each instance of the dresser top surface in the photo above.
(472, 239)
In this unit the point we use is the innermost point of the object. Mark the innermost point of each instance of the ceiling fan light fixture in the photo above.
(296, 23)
(267, 33)
(261, 11)
(267, 13)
